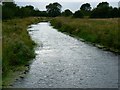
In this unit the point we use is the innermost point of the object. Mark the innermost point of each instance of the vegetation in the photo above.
(103, 10)
(78, 14)
(10, 10)
(18, 48)
(54, 9)
(0, 53)
(104, 32)
(67, 12)
(85, 9)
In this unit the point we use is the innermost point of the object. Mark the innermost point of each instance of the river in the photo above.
(65, 62)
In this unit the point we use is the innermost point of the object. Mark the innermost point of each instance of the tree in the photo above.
(26, 11)
(8, 10)
(102, 11)
(103, 4)
(85, 7)
(67, 12)
(114, 12)
(37, 12)
(11, 10)
(54, 9)
(78, 14)
(9, 4)
(0, 11)
(119, 12)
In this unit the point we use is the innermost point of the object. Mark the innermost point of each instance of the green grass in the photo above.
(17, 46)
(104, 32)
(0, 54)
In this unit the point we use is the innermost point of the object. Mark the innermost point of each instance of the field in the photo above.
(104, 32)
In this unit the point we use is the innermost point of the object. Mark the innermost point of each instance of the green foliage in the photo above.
(67, 12)
(115, 12)
(11, 10)
(103, 10)
(18, 48)
(8, 10)
(53, 9)
(0, 12)
(101, 31)
(78, 14)
(103, 4)
(86, 9)
(26, 11)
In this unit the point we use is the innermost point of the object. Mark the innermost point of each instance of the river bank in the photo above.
(103, 33)
(15, 34)
(66, 62)
(18, 48)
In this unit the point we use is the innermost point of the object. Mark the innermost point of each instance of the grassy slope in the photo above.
(0, 54)
(18, 48)
(101, 31)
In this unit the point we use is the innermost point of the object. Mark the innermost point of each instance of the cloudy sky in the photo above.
(73, 5)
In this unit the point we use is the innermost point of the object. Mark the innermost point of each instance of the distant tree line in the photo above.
(103, 10)
(11, 10)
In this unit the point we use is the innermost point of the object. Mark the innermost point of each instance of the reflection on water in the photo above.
(65, 62)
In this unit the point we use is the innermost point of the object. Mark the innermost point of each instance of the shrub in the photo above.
(78, 14)
(18, 48)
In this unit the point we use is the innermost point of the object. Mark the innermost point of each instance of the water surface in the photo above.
(65, 62)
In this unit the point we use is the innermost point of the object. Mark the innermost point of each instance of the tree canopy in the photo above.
(85, 7)
(103, 4)
(103, 10)
(11, 10)
(54, 9)
(78, 14)
(67, 12)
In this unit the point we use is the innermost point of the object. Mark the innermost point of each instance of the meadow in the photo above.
(103, 32)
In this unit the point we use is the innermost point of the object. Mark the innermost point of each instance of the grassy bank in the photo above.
(0, 53)
(104, 32)
(18, 48)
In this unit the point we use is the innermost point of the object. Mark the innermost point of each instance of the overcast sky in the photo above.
(73, 5)
(67, 0)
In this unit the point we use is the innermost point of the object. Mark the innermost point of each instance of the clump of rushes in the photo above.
(18, 48)
(100, 31)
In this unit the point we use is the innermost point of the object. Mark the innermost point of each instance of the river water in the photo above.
(65, 62)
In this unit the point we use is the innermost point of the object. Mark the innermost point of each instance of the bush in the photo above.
(78, 14)
(67, 12)
(18, 48)
(15, 53)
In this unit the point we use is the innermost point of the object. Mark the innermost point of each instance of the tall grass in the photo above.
(100, 31)
(0, 53)
(18, 48)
